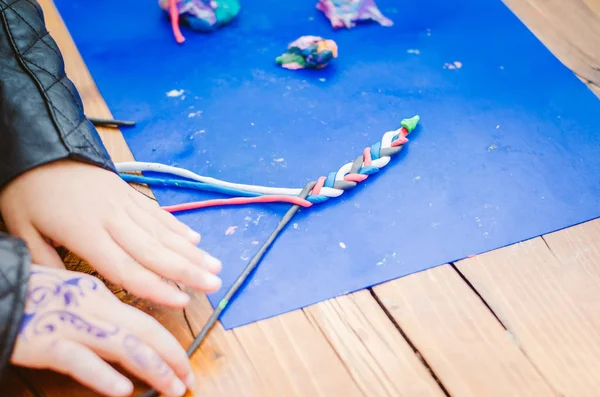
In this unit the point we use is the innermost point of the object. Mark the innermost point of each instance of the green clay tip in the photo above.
(289, 58)
(223, 303)
(410, 124)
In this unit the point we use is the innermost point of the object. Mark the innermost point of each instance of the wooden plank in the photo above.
(595, 89)
(554, 318)
(570, 29)
(284, 356)
(460, 339)
(593, 5)
(550, 300)
(380, 360)
(577, 245)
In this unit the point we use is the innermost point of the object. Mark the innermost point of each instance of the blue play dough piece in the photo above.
(330, 181)
(375, 149)
(317, 199)
(368, 170)
(507, 149)
(186, 184)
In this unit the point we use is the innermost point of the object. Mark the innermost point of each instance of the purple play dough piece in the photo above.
(201, 9)
(346, 13)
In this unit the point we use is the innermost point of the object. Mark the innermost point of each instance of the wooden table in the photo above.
(519, 321)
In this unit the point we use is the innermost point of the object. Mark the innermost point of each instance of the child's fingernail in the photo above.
(178, 388)
(194, 236)
(190, 380)
(123, 387)
(212, 282)
(214, 265)
(181, 298)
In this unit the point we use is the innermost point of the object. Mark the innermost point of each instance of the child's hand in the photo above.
(126, 238)
(71, 320)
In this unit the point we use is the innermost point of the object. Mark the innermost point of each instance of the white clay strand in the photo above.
(386, 144)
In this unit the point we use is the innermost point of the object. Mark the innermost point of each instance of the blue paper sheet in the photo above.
(508, 148)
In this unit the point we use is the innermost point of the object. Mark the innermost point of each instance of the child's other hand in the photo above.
(95, 214)
(72, 323)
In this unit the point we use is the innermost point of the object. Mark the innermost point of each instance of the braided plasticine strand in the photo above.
(335, 184)
(370, 162)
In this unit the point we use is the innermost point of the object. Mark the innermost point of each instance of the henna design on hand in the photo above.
(46, 288)
(47, 323)
(49, 299)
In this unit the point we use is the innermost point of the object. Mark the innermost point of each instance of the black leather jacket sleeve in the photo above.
(41, 120)
(41, 112)
(14, 273)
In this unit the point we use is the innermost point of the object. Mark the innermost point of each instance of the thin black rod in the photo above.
(111, 123)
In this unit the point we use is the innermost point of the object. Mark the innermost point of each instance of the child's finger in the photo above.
(152, 333)
(41, 252)
(132, 353)
(152, 254)
(142, 361)
(147, 285)
(173, 241)
(192, 253)
(83, 365)
(166, 218)
(116, 265)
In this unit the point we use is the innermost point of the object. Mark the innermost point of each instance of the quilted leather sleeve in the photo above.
(41, 112)
(14, 274)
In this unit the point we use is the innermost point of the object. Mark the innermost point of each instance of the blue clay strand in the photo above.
(317, 199)
(368, 170)
(375, 150)
(330, 181)
(180, 183)
(205, 187)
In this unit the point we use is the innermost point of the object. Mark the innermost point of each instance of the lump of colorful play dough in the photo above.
(202, 15)
(346, 13)
(308, 52)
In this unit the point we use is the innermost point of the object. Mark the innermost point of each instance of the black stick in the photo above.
(111, 123)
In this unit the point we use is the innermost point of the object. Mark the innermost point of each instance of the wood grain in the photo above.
(465, 346)
(282, 356)
(549, 299)
(380, 360)
(570, 29)
(300, 354)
